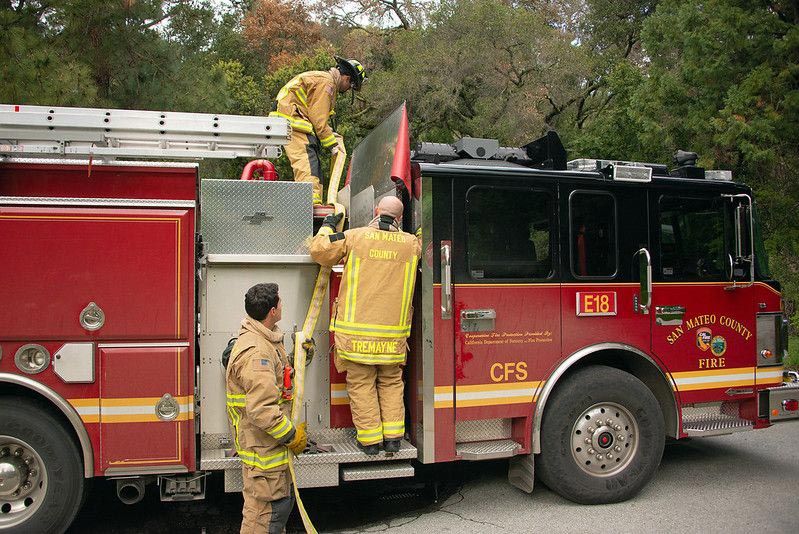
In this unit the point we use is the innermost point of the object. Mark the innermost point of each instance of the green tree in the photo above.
(722, 79)
(480, 68)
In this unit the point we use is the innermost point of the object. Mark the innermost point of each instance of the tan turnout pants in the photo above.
(376, 403)
(303, 153)
(268, 500)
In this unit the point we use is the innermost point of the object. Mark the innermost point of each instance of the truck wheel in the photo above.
(41, 472)
(602, 437)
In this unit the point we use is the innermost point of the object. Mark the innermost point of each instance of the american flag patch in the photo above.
(261, 364)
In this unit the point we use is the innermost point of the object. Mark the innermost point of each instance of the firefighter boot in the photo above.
(392, 445)
(370, 450)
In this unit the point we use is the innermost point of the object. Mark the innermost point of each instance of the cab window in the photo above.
(508, 233)
(592, 223)
(692, 239)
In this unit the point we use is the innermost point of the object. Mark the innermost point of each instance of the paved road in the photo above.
(740, 483)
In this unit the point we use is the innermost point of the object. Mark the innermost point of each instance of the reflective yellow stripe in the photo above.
(300, 92)
(302, 126)
(372, 434)
(236, 400)
(348, 268)
(394, 427)
(377, 359)
(328, 141)
(353, 263)
(378, 330)
(407, 290)
(280, 429)
(404, 299)
(234, 420)
(356, 277)
(411, 286)
(264, 462)
(296, 124)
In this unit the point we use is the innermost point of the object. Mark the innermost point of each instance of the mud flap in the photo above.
(521, 472)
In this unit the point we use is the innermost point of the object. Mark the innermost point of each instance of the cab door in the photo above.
(703, 325)
(602, 227)
(506, 296)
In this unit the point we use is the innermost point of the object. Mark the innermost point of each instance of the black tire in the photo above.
(26, 426)
(624, 449)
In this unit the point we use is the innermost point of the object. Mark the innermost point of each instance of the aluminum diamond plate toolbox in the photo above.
(256, 217)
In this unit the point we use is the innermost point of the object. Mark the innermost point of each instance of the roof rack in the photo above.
(111, 133)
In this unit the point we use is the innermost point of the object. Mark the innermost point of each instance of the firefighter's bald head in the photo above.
(391, 206)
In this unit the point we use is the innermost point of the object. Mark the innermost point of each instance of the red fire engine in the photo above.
(570, 315)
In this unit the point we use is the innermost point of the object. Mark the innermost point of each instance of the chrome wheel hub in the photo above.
(604, 439)
(23, 481)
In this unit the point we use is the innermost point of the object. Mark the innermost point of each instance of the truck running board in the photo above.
(713, 419)
(376, 470)
(487, 450)
(716, 427)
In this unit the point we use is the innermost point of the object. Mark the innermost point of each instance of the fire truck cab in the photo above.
(569, 315)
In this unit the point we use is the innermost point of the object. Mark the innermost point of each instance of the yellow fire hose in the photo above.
(317, 301)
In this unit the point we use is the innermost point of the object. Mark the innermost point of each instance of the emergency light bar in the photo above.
(631, 173)
(624, 171)
(723, 176)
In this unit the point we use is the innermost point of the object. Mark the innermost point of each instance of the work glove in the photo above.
(299, 441)
(339, 146)
(309, 346)
(333, 220)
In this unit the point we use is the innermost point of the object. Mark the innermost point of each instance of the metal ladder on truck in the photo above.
(62, 132)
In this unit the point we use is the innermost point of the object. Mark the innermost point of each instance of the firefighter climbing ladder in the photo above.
(110, 133)
(315, 307)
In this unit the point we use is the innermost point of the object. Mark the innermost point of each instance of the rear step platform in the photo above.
(487, 450)
(713, 419)
(718, 426)
(321, 468)
(376, 470)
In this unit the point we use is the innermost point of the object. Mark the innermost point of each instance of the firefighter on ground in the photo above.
(258, 406)
(308, 102)
(372, 318)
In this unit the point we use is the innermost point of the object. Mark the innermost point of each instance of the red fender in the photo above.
(266, 168)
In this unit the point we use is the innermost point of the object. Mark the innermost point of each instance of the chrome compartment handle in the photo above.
(669, 315)
(446, 279)
(479, 314)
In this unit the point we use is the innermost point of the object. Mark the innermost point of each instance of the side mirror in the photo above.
(743, 264)
(645, 277)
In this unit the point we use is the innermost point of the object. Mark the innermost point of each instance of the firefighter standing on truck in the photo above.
(372, 318)
(307, 101)
(259, 409)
